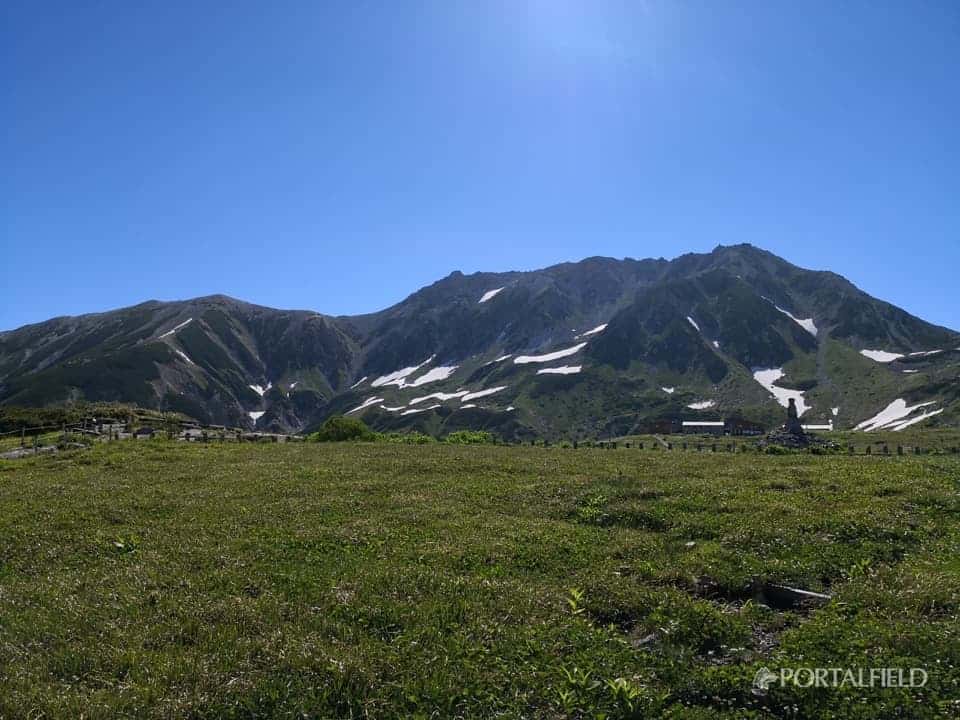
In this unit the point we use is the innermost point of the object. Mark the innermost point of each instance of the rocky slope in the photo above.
(601, 346)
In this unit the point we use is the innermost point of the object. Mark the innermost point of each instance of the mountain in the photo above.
(597, 347)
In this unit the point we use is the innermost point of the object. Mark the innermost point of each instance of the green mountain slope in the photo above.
(600, 346)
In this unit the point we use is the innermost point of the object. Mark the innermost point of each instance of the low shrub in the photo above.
(470, 437)
(339, 429)
(410, 438)
(778, 450)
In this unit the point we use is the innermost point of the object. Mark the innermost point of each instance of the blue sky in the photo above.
(337, 156)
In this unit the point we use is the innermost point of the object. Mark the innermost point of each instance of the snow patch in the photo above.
(523, 359)
(893, 414)
(400, 376)
(261, 391)
(468, 405)
(835, 411)
(884, 357)
(668, 390)
(881, 356)
(420, 410)
(702, 405)
(716, 344)
(358, 382)
(509, 409)
(910, 372)
(499, 359)
(565, 370)
(182, 325)
(913, 421)
(392, 409)
(182, 354)
(436, 374)
(807, 324)
(256, 414)
(768, 379)
(438, 396)
(693, 322)
(482, 393)
(366, 403)
(490, 294)
(597, 329)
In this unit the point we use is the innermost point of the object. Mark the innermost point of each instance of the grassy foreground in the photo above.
(162, 580)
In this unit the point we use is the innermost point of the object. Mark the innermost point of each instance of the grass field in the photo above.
(164, 580)
(13, 441)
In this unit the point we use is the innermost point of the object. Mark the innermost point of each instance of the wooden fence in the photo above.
(883, 450)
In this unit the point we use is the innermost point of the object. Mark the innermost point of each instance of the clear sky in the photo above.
(338, 155)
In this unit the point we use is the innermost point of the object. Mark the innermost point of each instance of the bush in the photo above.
(339, 429)
(471, 437)
(778, 450)
(410, 438)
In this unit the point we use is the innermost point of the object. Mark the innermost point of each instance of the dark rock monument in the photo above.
(793, 420)
(792, 435)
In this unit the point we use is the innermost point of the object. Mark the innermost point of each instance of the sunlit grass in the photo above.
(164, 580)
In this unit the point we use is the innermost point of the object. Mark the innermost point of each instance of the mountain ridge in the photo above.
(703, 325)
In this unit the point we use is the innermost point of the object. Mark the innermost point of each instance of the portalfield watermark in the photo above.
(835, 677)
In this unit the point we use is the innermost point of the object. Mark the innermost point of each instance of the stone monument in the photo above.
(793, 435)
(793, 420)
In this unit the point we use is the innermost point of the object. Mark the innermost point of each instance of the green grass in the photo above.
(12, 441)
(164, 580)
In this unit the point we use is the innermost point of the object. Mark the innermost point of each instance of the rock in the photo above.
(705, 586)
(792, 434)
(784, 597)
(793, 426)
(646, 640)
